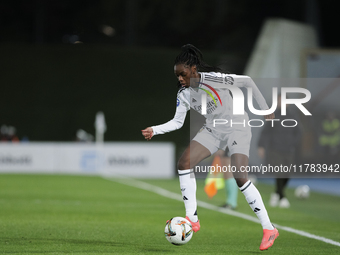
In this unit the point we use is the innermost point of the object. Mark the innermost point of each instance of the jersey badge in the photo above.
(229, 80)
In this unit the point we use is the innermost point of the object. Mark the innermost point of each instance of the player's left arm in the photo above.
(246, 81)
(176, 123)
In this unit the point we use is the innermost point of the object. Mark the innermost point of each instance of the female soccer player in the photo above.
(196, 78)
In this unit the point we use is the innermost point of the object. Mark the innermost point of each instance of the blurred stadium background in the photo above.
(63, 62)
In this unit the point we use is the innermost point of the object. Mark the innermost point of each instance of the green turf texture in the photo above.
(57, 214)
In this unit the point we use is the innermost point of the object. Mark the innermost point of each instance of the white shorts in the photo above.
(237, 142)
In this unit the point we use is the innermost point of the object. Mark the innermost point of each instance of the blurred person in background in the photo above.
(278, 145)
(329, 139)
(230, 187)
(83, 136)
(222, 178)
(8, 134)
(3, 133)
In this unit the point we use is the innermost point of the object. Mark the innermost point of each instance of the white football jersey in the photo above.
(219, 104)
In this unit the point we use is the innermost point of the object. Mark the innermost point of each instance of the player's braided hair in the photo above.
(191, 56)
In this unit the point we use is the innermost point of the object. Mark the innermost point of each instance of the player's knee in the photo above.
(241, 181)
(183, 164)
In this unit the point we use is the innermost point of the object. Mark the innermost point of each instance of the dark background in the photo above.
(214, 24)
(58, 67)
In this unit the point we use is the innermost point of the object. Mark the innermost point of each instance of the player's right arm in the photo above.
(174, 124)
(247, 82)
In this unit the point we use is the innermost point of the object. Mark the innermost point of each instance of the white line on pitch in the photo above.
(175, 196)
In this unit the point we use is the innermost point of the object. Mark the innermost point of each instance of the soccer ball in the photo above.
(178, 231)
(302, 192)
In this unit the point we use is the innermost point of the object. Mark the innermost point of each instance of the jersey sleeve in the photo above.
(182, 106)
(247, 82)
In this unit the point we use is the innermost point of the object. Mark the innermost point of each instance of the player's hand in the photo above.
(270, 116)
(147, 133)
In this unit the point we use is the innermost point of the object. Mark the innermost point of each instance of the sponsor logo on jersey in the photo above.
(210, 105)
(229, 80)
(178, 102)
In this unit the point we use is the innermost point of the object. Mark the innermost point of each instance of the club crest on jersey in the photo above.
(178, 102)
(229, 80)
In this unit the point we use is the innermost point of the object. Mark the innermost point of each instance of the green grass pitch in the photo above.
(59, 214)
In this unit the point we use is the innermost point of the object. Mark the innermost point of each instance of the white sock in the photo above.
(187, 183)
(254, 199)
